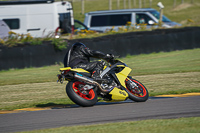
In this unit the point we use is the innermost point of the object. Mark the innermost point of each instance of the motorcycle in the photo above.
(115, 85)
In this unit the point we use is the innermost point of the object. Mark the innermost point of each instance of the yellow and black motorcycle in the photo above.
(116, 85)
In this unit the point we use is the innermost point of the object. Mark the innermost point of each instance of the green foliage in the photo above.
(59, 44)
(36, 41)
(15, 39)
(187, 14)
(129, 27)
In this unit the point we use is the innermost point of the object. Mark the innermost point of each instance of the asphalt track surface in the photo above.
(154, 108)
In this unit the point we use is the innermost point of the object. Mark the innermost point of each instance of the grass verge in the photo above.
(144, 64)
(181, 125)
(162, 73)
(52, 93)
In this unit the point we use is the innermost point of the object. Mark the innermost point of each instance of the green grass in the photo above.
(52, 93)
(145, 64)
(165, 62)
(162, 73)
(29, 75)
(32, 95)
(180, 125)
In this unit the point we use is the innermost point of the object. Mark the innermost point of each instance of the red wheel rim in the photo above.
(141, 87)
(88, 96)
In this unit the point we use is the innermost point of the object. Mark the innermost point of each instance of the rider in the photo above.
(79, 55)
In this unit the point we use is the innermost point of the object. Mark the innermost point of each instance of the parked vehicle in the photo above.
(78, 26)
(116, 85)
(4, 30)
(37, 17)
(103, 20)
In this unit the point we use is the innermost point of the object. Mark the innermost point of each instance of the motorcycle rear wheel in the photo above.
(77, 96)
(139, 95)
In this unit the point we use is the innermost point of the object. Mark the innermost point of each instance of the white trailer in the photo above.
(37, 17)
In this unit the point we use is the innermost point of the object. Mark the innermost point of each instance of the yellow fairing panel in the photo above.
(65, 68)
(123, 75)
(120, 65)
(74, 69)
(118, 94)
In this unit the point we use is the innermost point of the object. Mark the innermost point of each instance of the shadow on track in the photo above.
(60, 106)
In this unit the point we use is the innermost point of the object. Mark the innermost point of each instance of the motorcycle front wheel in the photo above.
(79, 96)
(138, 94)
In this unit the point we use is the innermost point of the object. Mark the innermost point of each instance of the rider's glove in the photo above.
(109, 57)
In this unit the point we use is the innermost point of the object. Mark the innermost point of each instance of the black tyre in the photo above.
(82, 98)
(139, 94)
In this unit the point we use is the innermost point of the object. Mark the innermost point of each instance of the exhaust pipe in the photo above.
(90, 81)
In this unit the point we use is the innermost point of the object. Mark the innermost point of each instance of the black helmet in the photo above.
(78, 44)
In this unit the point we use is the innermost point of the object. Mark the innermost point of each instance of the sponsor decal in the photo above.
(122, 93)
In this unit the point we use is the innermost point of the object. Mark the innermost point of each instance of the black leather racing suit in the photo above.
(79, 57)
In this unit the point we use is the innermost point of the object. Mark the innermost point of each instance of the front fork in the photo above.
(131, 83)
(134, 87)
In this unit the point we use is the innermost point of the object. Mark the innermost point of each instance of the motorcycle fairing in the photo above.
(118, 94)
(123, 75)
(74, 69)
(65, 68)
